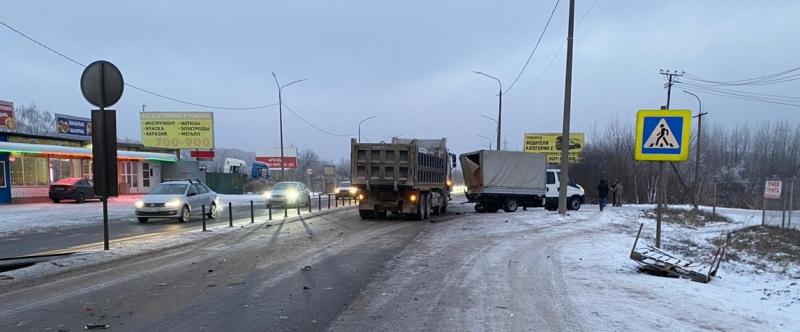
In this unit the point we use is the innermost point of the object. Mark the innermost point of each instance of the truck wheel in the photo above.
(511, 205)
(427, 206)
(366, 214)
(492, 207)
(479, 208)
(574, 204)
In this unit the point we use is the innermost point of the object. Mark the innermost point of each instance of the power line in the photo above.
(56, 52)
(313, 125)
(534, 48)
(779, 77)
(552, 59)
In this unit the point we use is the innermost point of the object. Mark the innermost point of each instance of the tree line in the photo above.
(737, 158)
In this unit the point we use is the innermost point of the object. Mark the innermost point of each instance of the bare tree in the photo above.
(33, 120)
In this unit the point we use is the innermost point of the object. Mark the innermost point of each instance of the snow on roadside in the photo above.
(611, 295)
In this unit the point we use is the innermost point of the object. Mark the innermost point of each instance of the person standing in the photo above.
(602, 193)
(618, 194)
(613, 188)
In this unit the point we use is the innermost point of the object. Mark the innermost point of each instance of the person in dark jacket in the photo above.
(602, 193)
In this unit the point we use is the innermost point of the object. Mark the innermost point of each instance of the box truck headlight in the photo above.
(336, 191)
(353, 190)
(449, 183)
(413, 198)
(360, 197)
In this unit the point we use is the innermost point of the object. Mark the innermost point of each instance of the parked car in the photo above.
(179, 200)
(288, 193)
(345, 189)
(71, 188)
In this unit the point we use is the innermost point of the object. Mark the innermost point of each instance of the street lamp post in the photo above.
(359, 126)
(487, 138)
(699, 117)
(499, 104)
(280, 118)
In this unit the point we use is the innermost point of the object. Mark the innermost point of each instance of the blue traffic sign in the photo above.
(663, 135)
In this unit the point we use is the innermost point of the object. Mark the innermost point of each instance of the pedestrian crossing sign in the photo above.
(663, 135)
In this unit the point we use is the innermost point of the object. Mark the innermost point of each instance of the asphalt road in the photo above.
(31, 243)
(246, 280)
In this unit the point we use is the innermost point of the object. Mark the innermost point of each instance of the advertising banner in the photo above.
(550, 144)
(7, 121)
(178, 130)
(272, 156)
(73, 126)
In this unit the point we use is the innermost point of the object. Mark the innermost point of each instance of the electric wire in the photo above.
(535, 47)
(313, 125)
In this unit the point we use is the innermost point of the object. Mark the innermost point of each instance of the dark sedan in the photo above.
(72, 188)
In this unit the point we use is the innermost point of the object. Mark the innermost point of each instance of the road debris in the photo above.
(659, 262)
(306, 268)
(163, 284)
(97, 326)
(306, 287)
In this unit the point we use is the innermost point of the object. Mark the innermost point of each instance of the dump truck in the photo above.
(504, 179)
(411, 177)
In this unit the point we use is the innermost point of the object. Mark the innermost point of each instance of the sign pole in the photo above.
(659, 202)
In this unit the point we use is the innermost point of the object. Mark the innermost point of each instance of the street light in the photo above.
(487, 138)
(499, 104)
(280, 118)
(699, 117)
(359, 126)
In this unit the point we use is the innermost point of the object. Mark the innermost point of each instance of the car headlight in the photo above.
(173, 203)
(292, 195)
(336, 191)
(267, 194)
(138, 204)
(353, 190)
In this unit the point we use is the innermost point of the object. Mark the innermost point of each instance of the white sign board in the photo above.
(772, 190)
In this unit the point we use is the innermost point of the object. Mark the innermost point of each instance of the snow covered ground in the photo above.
(20, 218)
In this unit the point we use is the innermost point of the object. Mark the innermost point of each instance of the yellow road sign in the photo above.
(178, 130)
(550, 144)
(663, 135)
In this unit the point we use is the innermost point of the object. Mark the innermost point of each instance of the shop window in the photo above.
(86, 169)
(29, 171)
(60, 169)
(146, 174)
(130, 173)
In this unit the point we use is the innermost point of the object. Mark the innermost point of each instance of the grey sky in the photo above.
(409, 62)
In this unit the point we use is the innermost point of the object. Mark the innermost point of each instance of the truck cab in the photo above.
(576, 196)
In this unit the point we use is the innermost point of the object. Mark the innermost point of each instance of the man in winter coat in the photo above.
(602, 193)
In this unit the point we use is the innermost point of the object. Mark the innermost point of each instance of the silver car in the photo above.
(177, 199)
(288, 193)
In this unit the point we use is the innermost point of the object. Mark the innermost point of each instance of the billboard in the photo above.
(73, 126)
(7, 120)
(550, 144)
(178, 130)
(272, 156)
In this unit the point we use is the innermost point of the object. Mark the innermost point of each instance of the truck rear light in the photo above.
(413, 198)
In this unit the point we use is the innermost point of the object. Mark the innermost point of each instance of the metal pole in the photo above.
(285, 210)
(329, 201)
(105, 222)
(319, 202)
(204, 217)
(298, 209)
(764, 212)
(280, 120)
(252, 214)
(499, 113)
(230, 214)
(564, 176)
(269, 210)
(791, 203)
(309, 205)
(714, 207)
(697, 183)
(659, 202)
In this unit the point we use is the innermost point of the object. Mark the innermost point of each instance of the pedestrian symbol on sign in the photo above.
(662, 137)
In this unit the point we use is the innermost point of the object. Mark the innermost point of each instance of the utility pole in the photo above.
(661, 200)
(359, 126)
(697, 185)
(499, 104)
(280, 118)
(564, 176)
(487, 139)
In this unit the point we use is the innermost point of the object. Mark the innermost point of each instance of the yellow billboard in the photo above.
(550, 144)
(178, 130)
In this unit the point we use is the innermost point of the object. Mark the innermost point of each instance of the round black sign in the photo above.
(101, 84)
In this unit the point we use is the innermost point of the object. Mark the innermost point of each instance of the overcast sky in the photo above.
(408, 62)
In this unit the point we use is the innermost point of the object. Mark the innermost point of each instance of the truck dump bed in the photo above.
(420, 164)
(504, 172)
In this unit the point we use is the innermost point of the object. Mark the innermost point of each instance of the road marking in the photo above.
(98, 244)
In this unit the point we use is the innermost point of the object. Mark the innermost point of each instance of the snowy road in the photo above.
(521, 271)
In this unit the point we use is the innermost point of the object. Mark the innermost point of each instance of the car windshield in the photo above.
(344, 184)
(169, 189)
(284, 186)
(67, 182)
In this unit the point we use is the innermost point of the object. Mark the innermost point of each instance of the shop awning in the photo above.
(46, 150)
